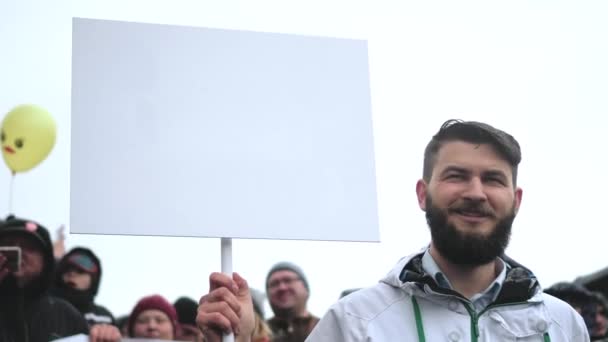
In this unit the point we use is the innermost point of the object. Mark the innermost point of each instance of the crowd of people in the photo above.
(461, 286)
(52, 295)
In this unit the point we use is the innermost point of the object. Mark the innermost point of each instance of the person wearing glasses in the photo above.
(288, 292)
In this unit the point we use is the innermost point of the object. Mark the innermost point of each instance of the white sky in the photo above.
(534, 68)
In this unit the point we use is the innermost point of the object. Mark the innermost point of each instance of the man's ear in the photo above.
(421, 188)
(518, 195)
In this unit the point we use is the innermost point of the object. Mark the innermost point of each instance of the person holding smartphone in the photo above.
(27, 312)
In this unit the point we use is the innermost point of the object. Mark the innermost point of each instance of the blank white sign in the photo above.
(183, 131)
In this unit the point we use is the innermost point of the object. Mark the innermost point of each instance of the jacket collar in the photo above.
(520, 284)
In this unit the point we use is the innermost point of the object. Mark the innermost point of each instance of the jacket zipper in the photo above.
(474, 322)
(475, 317)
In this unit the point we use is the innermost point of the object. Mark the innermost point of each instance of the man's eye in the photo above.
(495, 181)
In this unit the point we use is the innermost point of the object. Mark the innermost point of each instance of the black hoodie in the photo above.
(30, 314)
(83, 300)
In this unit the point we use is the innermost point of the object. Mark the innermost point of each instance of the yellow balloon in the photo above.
(28, 136)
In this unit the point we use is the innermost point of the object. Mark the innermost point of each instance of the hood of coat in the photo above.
(520, 284)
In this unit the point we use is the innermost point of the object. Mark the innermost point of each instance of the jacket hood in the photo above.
(520, 284)
(34, 231)
(67, 261)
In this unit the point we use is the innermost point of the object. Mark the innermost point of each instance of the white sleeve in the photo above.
(330, 327)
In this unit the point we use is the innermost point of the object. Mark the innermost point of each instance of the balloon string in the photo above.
(10, 194)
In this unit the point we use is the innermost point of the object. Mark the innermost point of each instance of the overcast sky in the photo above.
(534, 68)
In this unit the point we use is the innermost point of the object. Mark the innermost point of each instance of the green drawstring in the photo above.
(419, 325)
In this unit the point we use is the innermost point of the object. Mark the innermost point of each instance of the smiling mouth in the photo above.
(471, 214)
(475, 215)
(8, 149)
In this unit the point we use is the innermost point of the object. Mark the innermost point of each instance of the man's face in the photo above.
(470, 203)
(286, 291)
(153, 324)
(77, 279)
(601, 322)
(32, 258)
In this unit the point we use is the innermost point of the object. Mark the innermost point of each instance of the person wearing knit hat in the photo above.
(27, 311)
(288, 266)
(288, 292)
(153, 317)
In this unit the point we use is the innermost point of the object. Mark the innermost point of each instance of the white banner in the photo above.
(183, 131)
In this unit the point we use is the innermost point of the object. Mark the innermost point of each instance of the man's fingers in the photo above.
(225, 311)
(112, 334)
(104, 333)
(223, 295)
(94, 334)
(243, 287)
(215, 321)
(217, 280)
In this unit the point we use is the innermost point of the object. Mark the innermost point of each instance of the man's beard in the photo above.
(286, 313)
(467, 249)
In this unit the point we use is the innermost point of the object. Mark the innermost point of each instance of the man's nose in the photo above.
(282, 286)
(475, 190)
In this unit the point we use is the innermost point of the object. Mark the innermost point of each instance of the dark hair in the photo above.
(476, 133)
(572, 293)
(579, 297)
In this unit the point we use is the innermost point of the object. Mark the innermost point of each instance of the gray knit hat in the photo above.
(288, 266)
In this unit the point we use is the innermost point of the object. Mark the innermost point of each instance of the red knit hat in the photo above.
(154, 302)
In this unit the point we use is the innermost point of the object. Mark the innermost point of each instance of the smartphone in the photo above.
(13, 256)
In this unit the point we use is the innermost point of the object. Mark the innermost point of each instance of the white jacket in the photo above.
(386, 312)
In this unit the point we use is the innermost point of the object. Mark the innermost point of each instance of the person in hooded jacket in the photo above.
(27, 312)
(461, 287)
(588, 304)
(77, 280)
